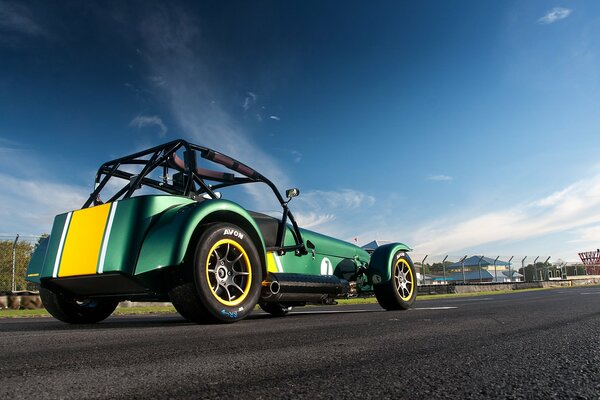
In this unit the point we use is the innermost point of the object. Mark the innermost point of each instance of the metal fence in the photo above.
(15, 252)
(465, 269)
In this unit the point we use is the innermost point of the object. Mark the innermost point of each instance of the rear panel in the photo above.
(100, 239)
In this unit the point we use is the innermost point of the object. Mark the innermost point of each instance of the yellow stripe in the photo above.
(28, 275)
(271, 265)
(84, 239)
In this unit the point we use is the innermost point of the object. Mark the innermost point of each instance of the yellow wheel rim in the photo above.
(404, 279)
(228, 272)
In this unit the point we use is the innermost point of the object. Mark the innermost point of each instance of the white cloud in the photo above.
(29, 206)
(311, 220)
(249, 101)
(588, 236)
(144, 121)
(16, 17)
(576, 206)
(439, 178)
(176, 52)
(556, 14)
(335, 213)
(275, 117)
(297, 156)
(17, 21)
(346, 199)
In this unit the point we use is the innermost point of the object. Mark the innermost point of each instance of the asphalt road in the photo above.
(541, 344)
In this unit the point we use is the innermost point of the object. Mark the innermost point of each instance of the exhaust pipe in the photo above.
(283, 287)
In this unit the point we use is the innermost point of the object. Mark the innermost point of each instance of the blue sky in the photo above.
(456, 127)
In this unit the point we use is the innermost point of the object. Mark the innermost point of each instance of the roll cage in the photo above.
(189, 180)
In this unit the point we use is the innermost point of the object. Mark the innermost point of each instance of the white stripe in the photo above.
(61, 245)
(111, 217)
(365, 311)
(278, 262)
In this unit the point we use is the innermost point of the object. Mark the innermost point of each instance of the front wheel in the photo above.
(226, 280)
(400, 291)
(67, 309)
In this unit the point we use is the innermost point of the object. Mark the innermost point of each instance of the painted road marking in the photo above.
(333, 311)
(483, 299)
(362, 311)
(584, 293)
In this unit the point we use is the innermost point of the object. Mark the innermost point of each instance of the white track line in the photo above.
(363, 311)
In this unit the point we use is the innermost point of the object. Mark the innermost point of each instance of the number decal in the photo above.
(326, 267)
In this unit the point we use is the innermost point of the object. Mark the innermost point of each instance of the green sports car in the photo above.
(165, 234)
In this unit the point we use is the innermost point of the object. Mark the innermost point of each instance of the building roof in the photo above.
(474, 261)
(470, 275)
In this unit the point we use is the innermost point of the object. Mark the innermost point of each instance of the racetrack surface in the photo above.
(541, 344)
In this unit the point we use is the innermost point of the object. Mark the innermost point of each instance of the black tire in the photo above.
(400, 291)
(226, 280)
(67, 309)
(275, 309)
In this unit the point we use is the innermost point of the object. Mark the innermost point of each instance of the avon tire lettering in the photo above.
(233, 232)
(230, 314)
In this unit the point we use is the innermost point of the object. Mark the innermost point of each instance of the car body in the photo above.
(173, 238)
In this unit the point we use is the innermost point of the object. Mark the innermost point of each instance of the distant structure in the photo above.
(371, 246)
(591, 261)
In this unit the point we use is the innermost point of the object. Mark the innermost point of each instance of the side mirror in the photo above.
(291, 193)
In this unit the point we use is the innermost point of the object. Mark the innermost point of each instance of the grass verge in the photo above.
(119, 311)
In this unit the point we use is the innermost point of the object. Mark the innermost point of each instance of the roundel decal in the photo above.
(326, 267)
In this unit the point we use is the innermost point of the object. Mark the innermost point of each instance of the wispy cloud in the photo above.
(439, 178)
(275, 117)
(176, 52)
(556, 14)
(574, 207)
(249, 101)
(311, 220)
(18, 21)
(346, 199)
(29, 205)
(588, 236)
(330, 211)
(144, 121)
(297, 156)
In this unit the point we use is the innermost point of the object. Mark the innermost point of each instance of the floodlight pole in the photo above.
(423, 267)
(546, 267)
(444, 268)
(14, 264)
(496, 270)
(509, 269)
(523, 267)
(535, 268)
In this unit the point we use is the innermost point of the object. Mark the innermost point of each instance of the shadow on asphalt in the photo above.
(150, 321)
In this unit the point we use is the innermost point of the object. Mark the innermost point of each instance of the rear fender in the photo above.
(382, 259)
(36, 262)
(169, 239)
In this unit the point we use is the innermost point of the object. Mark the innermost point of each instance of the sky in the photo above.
(457, 128)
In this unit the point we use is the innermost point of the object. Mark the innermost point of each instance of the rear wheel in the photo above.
(276, 309)
(226, 280)
(400, 291)
(67, 309)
